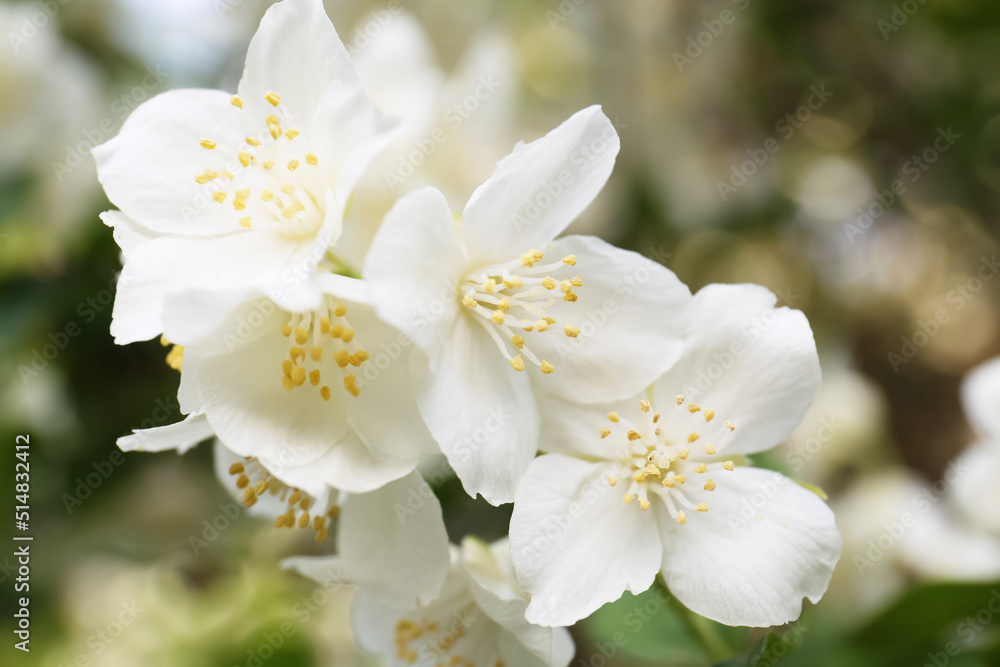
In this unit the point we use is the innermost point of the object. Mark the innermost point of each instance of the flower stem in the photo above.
(698, 628)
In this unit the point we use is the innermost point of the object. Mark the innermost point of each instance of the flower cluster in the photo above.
(482, 335)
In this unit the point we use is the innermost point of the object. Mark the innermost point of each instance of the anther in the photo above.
(208, 144)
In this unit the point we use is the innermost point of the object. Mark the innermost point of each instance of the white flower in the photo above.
(978, 494)
(477, 620)
(235, 190)
(497, 307)
(656, 483)
(396, 555)
(309, 380)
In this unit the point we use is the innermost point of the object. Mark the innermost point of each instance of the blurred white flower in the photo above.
(843, 429)
(896, 527)
(227, 190)
(736, 544)
(481, 305)
(54, 99)
(477, 620)
(979, 494)
(458, 124)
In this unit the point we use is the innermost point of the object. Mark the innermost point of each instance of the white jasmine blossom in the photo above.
(229, 190)
(658, 482)
(478, 619)
(500, 309)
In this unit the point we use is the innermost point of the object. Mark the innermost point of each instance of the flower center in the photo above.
(331, 338)
(426, 638)
(275, 184)
(255, 480)
(656, 463)
(512, 299)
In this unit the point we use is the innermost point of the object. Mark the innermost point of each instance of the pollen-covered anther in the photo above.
(710, 485)
(643, 503)
(273, 97)
(531, 257)
(547, 367)
(701, 467)
(569, 259)
(613, 417)
(710, 449)
(634, 435)
(681, 517)
(693, 437)
(208, 144)
(571, 331)
(680, 399)
(730, 426)
(612, 480)
(605, 432)
(693, 407)
(236, 101)
(709, 414)
(728, 465)
(644, 405)
(702, 507)
(517, 363)
(629, 498)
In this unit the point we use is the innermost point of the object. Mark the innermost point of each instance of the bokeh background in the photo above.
(761, 142)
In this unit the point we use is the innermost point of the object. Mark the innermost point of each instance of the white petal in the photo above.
(350, 132)
(480, 410)
(763, 545)
(164, 265)
(393, 542)
(414, 265)
(349, 464)
(540, 188)
(326, 570)
(296, 53)
(575, 428)
(244, 400)
(632, 314)
(981, 399)
(972, 479)
(575, 544)
(496, 593)
(128, 233)
(149, 169)
(752, 364)
(181, 436)
(386, 413)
